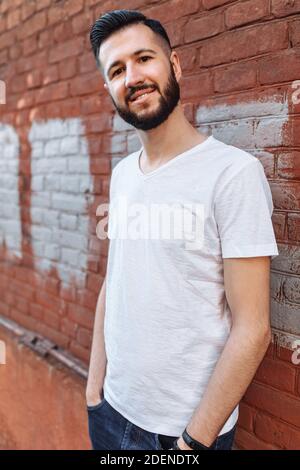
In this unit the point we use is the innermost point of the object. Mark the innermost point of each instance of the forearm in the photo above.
(234, 372)
(98, 360)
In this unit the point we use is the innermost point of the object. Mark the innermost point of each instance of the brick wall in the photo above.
(60, 137)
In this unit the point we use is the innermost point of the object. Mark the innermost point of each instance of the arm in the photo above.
(247, 292)
(98, 358)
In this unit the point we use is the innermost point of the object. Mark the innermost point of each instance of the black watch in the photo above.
(193, 444)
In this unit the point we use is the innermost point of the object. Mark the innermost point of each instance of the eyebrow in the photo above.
(117, 62)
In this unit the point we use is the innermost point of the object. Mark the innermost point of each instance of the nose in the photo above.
(133, 77)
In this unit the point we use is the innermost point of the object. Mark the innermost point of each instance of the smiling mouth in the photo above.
(142, 97)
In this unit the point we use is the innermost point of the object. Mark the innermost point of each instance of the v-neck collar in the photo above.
(172, 160)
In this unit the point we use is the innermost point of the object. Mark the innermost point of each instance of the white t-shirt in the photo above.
(167, 319)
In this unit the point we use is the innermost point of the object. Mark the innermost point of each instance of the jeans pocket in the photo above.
(225, 441)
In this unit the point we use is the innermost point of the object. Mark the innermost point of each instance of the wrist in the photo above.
(93, 394)
(181, 444)
(193, 443)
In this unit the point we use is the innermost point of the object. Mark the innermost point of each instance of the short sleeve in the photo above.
(243, 211)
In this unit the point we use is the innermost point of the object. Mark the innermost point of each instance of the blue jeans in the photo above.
(109, 430)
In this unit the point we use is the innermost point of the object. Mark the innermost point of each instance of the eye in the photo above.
(116, 72)
(145, 57)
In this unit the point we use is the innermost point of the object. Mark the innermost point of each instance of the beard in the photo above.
(167, 102)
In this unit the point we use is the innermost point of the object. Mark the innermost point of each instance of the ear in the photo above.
(174, 59)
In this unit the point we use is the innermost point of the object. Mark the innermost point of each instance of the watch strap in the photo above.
(193, 444)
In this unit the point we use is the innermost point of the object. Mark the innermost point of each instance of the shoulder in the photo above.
(124, 162)
(231, 157)
(231, 161)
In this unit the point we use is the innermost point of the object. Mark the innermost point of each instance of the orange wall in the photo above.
(42, 402)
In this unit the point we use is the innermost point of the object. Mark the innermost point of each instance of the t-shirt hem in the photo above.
(173, 430)
(248, 251)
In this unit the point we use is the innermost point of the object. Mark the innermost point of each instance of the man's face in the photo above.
(134, 62)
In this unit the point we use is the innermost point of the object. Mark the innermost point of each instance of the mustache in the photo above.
(139, 89)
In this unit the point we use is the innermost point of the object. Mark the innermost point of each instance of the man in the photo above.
(182, 322)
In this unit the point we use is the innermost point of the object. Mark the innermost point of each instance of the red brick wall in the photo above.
(240, 60)
(270, 412)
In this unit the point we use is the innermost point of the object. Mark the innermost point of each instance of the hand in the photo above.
(181, 444)
(93, 401)
(93, 397)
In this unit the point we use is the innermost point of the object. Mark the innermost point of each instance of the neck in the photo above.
(172, 137)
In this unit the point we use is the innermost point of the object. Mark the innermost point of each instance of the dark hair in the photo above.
(115, 20)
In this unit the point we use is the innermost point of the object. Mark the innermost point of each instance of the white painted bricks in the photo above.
(61, 183)
(10, 223)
